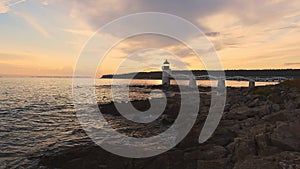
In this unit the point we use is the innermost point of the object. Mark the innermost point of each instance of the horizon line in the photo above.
(97, 76)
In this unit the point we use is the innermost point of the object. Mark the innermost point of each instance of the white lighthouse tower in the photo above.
(166, 73)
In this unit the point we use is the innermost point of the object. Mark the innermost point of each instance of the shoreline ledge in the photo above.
(260, 128)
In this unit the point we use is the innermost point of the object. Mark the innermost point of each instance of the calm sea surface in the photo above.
(38, 113)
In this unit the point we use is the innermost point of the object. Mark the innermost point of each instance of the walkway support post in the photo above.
(221, 83)
(251, 84)
(192, 82)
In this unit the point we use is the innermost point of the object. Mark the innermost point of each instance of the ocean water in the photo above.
(34, 113)
(38, 113)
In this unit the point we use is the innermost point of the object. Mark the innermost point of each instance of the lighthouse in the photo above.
(166, 73)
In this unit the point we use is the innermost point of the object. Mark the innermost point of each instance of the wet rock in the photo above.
(214, 164)
(227, 108)
(191, 140)
(209, 152)
(81, 163)
(256, 164)
(259, 99)
(253, 103)
(240, 113)
(283, 160)
(243, 149)
(290, 106)
(286, 136)
(275, 107)
(275, 117)
(223, 136)
(176, 159)
(256, 132)
(231, 148)
(263, 145)
(167, 120)
(162, 161)
(297, 101)
(275, 98)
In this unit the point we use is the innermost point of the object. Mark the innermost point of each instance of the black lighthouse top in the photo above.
(166, 65)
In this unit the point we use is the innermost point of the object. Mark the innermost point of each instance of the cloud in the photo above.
(45, 3)
(13, 3)
(79, 32)
(28, 63)
(98, 13)
(233, 23)
(19, 69)
(149, 59)
(9, 56)
(212, 34)
(240, 30)
(5, 5)
(33, 23)
(293, 64)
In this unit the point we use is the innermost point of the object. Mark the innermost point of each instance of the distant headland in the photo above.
(290, 73)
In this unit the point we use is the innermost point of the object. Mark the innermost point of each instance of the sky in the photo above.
(45, 37)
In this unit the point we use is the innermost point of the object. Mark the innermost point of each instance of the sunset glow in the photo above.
(44, 38)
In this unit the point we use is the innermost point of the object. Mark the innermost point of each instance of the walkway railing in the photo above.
(221, 81)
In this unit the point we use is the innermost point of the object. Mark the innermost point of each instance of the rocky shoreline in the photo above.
(260, 128)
